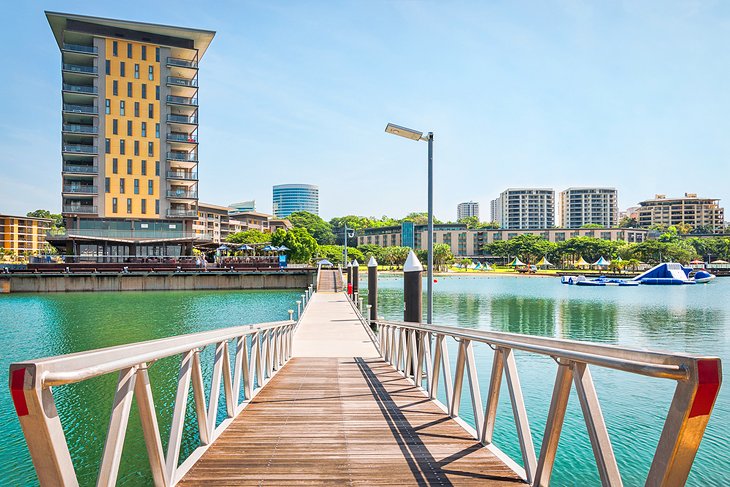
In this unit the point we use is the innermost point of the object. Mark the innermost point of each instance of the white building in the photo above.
(583, 206)
(467, 209)
(524, 208)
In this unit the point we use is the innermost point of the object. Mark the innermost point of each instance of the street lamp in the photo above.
(348, 233)
(394, 129)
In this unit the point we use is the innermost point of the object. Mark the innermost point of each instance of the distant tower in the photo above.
(524, 208)
(583, 206)
(467, 209)
(290, 198)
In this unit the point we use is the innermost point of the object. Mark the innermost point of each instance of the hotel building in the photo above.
(23, 235)
(129, 135)
(215, 223)
(693, 211)
(290, 198)
(524, 208)
(467, 209)
(584, 206)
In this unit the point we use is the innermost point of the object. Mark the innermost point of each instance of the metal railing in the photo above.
(183, 175)
(126, 233)
(80, 189)
(193, 139)
(411, 347)
(184, 194)
(182, 156)
(80, 89)
(80, 148)
(173, 61)
(80, 168)
(75, 68)
(85, 209)
(260, 352)
(182, 100)
(182, 119)
(67, 107)
(175, 81)
(80, 48)
(80, 129)
(182, 213)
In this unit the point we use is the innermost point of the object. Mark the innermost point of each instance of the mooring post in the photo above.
(304, 301)
(372, 290)
(412, 289)
(355, 280)
(349, 280)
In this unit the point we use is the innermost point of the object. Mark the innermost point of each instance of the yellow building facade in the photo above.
(23, 236)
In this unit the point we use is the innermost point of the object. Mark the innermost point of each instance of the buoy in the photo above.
(435, 280)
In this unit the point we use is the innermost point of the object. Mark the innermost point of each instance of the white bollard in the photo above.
(299, 310)
(291, 315)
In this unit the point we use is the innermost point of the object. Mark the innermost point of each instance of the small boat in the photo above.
(598, 281)
(673, 274)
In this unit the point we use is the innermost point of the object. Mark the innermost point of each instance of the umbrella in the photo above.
(283, 248)
(245, 247)
(223, 247)
(601, 262)
(581, 263)
(543, 262)
(719, 261)
(268, 248)
(618, 259)
(324, 262)
(516, 262)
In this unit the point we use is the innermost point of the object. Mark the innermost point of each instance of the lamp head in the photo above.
(394, 129)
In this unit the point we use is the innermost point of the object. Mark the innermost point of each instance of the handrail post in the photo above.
(299, 310)
(291, 315)
(372, 289)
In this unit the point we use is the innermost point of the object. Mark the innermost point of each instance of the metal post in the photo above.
(412, 289)
(373, 289)
(291, 315)
(299, 310)
(429, 302)
(355, 278)
(349, 280)
(359, 302)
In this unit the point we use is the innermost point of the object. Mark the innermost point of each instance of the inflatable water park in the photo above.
(665, 274)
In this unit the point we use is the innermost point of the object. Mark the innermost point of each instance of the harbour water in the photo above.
(683, 318)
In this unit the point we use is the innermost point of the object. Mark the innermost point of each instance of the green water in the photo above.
(694, 319)
(690, 318)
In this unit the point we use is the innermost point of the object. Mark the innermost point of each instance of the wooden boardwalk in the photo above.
(337, 414)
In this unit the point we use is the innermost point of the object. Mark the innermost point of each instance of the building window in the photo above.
(136, 186)
(157, 54)
(144, 206)
(136, 147)
(107, 106)
(121, 107)
(151, 73)
(129, 50)
(115, 48)
(136, 71)
(129, 166)
(136, 109)
(150, 187)
(130, 93)
(144, 53)
(144, 167)
(115, 88)
(115, 165)
(107, 185)
(129, 205)
(150, 149)
(144, 91)
(157, 168)
(129, 128)
(144, 129)
(121, 185)
(107, 146)
(121, 146)
(151, 110)
(121, 69)
(157, 207)
(115, 126)
(114, 205)
(157, 130)
(108, 67)
(157, 92)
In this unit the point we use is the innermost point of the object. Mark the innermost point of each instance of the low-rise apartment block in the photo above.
(23, 235)
(216, 222)
(699, 213)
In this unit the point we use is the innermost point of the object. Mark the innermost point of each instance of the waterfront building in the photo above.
(23, 235)
(467, 209)
(243, 206)
(129, 135)
(290, 198)
(698, 213)
(585, 206)
(466, 242)
(524, 208)
(215, 223)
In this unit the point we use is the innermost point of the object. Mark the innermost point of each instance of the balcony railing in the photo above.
(193, 139)
(182, 175)
(91, 90)
(75, 168)
(173, 61)
(75, 68)
(182, 156)
(79, 108)
(182, 194)
(80, 128)
(79, 209)
(80, 148)
(173, 80)
(182, 119)
(182, 213)
(182, 100)
(80, 48)
(80, 189)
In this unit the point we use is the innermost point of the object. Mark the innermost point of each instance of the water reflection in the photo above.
(518, 314)
(589, 320)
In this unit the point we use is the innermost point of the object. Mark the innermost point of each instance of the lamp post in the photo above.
(394, 129)
(348, 233)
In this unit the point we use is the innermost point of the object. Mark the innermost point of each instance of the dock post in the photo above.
(304, 301)
(349, 280)
(412, 289)
(372, 289)
(355, 280)
(299, 310)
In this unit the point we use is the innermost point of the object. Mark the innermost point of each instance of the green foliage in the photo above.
(529, 248)
(712, 248)
(442, 256)
(394, 256)
(301, 244)
(315, 226)
(56, 217)
(465, 263)
(472, 222)
(333, 253)
(249, 237)
(419, 218)
(628, 222)
(593, 225)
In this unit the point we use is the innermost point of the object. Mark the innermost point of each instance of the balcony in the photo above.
(86, 209)
(80, 169)
(86, 90)
(80, 189)
(182, 175)
(182, 100)
(80, 148)
(183, 63)
(189, 138)
(175, 81)
(182, 213)
(193, 120)
(75, 68)
(80, 129)
(79, 108)
(182, 194)
(182, 156)
(80, 49)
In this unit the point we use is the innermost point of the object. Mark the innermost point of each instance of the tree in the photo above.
(56, 217)
(465, 263)
(249, 237)
(419, 218)
(301, 244)
(334, 253)
(442, 256)
(529, 248)
(592, 225)
(315, 226)
(469, 221)
(628, 222)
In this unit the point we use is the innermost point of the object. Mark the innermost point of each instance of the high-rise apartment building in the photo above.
(290, 198)
(699, 213)
(129, 135)
(524, 208)
(583, 206)
(467, 209)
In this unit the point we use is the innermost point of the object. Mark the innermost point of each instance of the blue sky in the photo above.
(628, 94)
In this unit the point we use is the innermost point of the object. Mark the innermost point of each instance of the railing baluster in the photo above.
(401, 349)
(178, 415)
(520, 414)
(199, 399)
(238, 369)
(427, 360)
(554, 424)
(227, 385)
(246, 371)
(215, 386)
(597, 432)
(150, 428)
(408, 363)
(413, 352)
(495, 383)
(436, 368)
(476, 397)
(117, 427)
(458, 379)
(257, 360)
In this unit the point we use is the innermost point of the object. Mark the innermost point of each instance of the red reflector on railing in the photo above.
(17, 383)
(708, 374)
